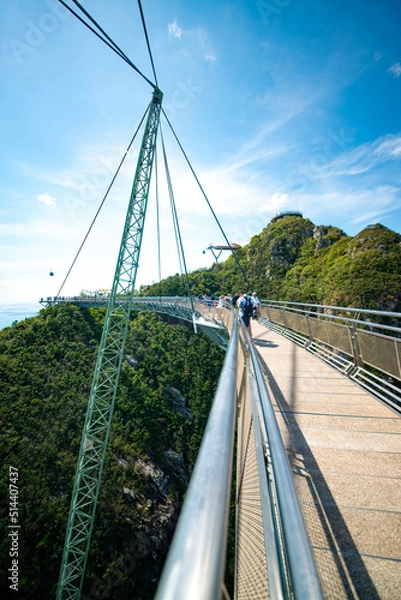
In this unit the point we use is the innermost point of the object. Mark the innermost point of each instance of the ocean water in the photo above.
(17, 312)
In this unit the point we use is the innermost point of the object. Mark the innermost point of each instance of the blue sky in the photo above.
(280, 105)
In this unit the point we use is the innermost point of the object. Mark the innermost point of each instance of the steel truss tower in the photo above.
(108, 365)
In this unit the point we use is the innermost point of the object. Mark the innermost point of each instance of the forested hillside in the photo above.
(166, 389)
(293, 259)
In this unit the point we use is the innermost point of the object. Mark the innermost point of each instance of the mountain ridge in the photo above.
(295, 260)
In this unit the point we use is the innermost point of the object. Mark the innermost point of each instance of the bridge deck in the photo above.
(344, 447)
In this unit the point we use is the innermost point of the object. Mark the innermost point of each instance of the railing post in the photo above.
(353, 336)
(308, 328)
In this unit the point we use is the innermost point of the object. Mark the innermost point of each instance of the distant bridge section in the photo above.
(364, 345)
(204, 316)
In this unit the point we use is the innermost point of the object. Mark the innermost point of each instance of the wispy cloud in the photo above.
(395, 69)
(205, 44)
(199, 35)
(81, 184)
(360, 205)
(40, 229)
(276, 202)
(174, 30)
(47, 199)
(365, 157)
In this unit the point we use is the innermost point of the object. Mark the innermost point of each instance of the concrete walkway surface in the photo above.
(344, 447)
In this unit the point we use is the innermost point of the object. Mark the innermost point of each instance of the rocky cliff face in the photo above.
(367, 274)
(293, 259)
(282, 243)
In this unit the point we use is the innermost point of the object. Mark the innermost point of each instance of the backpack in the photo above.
(248, 308)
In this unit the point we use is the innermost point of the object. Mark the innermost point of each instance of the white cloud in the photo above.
(395, 69)
(42, 230)
(12, 229)
(174, 30)
(275, 203)
(199, 35)
(366, 156)
(205, 44)
(81, 185)
(361, 206)
(46, 199)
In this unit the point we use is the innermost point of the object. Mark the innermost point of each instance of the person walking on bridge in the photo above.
(255, 302)
(245, 307)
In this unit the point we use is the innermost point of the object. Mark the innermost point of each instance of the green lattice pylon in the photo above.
(108, 365)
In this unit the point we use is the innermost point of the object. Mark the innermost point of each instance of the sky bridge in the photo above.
(308, 410)
(318, 427)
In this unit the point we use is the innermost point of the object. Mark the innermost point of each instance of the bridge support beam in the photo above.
(105, 380)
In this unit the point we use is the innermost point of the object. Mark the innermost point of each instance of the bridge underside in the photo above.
(199, 315)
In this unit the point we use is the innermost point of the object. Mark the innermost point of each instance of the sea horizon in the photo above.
(17, 311)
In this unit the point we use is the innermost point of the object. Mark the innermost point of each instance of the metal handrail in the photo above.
(295, 306)
(330, 318)
(195, 563)
(346, 308)
(305, 308)
(301, 565)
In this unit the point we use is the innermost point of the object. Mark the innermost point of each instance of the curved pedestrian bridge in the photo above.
(313, 402)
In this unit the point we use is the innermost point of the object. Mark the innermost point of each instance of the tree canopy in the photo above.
(165, 392)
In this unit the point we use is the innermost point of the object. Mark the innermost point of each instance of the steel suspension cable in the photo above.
(103, 200)
(106, 39)
(147, 41)
(145, 30)
(96, 24)
(159, 271)
(176, 235)
(207, 201)
(175, 219)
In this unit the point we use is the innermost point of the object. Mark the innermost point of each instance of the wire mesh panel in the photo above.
(332, 334)
(251, 569)
(381, 352)
(244, 415)
(227, 318)
(297, 322)
(275, 315)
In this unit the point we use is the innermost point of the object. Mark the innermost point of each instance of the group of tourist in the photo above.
(247, 304)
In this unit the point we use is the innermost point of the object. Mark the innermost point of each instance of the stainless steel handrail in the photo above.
(301, 565)
(195, 563)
